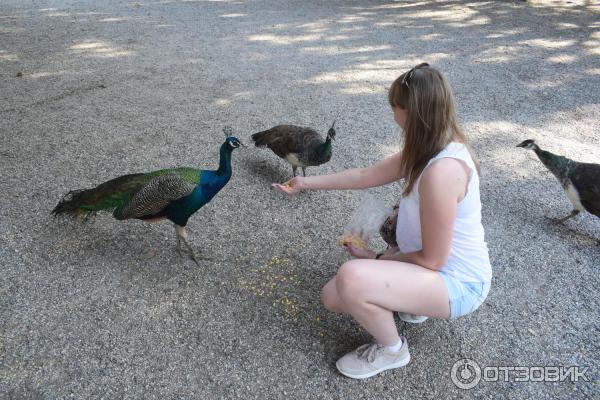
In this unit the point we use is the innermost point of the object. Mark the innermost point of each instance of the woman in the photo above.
(441, 266)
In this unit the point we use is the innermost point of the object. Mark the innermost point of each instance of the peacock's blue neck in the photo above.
(225, 160)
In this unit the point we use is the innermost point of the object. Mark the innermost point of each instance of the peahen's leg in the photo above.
(182, 237)
(304, 171)
(294, 168)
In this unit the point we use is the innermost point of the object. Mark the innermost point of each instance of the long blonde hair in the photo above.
(431, 122)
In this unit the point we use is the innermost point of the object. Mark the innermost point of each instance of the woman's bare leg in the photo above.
(330, 298)
(371, 290)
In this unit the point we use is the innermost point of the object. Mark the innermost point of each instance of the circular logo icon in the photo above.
(465, 373)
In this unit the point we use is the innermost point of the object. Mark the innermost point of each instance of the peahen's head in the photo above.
(331, 132)
(528, 144)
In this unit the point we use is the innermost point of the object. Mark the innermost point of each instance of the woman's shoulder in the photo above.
(445, 168)
(451, 148)
(445, 174)
(454, 150)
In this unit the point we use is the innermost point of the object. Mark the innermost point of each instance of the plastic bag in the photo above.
(366, 221)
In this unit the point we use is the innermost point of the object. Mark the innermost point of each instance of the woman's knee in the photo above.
(350, 280)
(329, 297)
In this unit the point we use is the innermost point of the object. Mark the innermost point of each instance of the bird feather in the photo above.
(586, 179)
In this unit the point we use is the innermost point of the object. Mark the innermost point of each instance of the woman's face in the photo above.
(400, 116)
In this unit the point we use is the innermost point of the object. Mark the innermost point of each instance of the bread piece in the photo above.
(354, 240)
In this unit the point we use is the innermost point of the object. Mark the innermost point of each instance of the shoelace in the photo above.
(369, 351)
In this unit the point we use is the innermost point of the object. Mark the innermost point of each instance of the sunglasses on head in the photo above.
(409, 75)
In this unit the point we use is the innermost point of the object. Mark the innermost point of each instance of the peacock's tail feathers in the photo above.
(114, 194)
(69, 206)
(105, 197)
(152, 199)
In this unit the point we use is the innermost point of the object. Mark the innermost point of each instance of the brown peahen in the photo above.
(301, 147)
(580, 181)
(174, 194)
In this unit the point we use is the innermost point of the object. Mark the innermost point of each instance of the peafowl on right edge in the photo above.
(580, 181)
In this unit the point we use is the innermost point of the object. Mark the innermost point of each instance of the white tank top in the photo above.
(469, 260)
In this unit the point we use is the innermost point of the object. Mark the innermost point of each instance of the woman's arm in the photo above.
(380, 173)
(442, 186)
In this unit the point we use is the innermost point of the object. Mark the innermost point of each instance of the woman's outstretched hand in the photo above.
(291, 187)
(358, 252)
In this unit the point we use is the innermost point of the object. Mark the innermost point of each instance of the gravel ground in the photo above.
(90, 90)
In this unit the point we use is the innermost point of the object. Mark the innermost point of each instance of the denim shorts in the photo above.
(465, 297)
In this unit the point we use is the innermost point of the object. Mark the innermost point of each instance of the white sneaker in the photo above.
(371, 359)
(412, 318)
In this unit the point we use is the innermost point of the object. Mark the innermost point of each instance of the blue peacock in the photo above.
(174, 194)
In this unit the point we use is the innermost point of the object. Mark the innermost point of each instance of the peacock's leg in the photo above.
(304, 171)
(563, 219)
(573, 213)
(182, 237)
(179, 245)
